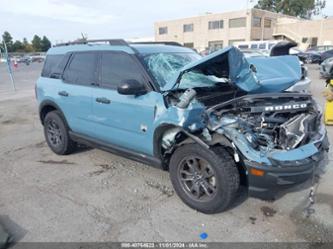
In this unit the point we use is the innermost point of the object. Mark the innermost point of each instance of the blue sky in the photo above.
(63, 20)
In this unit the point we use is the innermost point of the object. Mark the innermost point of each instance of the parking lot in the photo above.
(96, 196)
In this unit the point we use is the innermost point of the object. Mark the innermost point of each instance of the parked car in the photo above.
(325, 55)
(320, 49)
(254, 53)
(26, 60)
(309, 57)
(211, 121)
(314, 54)
(326, 68)
(257, 45)
(38, 59)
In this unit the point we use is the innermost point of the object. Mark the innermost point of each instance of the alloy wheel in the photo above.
(54, 134)
(197, 178)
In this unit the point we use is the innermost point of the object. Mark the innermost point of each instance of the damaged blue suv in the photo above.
(213, 122)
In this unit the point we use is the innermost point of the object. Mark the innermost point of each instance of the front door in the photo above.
(123, 120)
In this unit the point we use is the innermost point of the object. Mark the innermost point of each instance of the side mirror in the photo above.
(131, 87)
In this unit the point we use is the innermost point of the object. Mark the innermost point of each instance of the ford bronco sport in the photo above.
(211, 121)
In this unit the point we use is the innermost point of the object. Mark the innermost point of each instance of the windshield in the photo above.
(165, 67)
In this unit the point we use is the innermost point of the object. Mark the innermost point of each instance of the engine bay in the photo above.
(276, 121)
(281, 121)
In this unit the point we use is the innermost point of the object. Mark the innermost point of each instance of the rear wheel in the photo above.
(206, 180)
(56, 134)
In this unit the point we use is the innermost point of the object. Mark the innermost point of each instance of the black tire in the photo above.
(54, 123)
(226, 178)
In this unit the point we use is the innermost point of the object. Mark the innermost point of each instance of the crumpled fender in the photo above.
(191, 118)
(277, 73)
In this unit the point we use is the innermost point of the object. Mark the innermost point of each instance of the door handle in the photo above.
(63, 93)
(103, 100)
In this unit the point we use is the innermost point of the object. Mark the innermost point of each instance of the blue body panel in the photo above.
(120, 123)
(76, 107)
(130, 121)
(273, 74)
(276, 73)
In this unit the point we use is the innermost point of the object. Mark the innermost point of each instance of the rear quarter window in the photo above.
(51, 65)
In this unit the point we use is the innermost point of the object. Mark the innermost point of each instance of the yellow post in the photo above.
(329, 103)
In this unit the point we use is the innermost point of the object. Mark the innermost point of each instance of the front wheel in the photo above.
(206, 180)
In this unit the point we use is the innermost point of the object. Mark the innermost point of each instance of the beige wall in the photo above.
(282, 26)
(298, 29)
(264, 33)
(201, 35)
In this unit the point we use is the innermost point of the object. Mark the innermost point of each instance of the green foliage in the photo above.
(8, 39)
(37, 44)
(18, 46)
(300, 8)
(45, 44)
(27, 46)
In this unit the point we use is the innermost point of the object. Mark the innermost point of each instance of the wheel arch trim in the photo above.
(52, 104)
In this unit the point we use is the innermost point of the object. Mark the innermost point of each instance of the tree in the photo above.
(18, 46)
(36, 43)
(8, 39)
(27, 46)
(45, 44)
(300, 8)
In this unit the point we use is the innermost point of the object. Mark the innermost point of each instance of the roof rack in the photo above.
(113, 42)
(160, 42)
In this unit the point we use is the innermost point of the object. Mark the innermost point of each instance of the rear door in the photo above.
(75, 92)
(123, 120)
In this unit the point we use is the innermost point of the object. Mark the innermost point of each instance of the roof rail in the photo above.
(113, 42)
(160, 42)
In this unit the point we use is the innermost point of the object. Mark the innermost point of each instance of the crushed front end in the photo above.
(279, 138)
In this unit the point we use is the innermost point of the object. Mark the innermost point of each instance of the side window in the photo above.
(82, 69)
(51, 64)
(262, 46)
(117, 67)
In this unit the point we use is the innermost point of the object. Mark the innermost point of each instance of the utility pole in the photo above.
(9, 66)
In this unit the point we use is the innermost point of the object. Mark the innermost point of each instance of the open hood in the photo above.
(257, 74)
(282, 48)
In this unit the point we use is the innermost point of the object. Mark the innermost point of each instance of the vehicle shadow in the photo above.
(15, 231)
(242, 196)
(81, 148)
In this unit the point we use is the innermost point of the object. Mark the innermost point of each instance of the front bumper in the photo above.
(283, 174)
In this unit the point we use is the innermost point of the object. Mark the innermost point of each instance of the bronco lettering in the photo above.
(286, 107)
